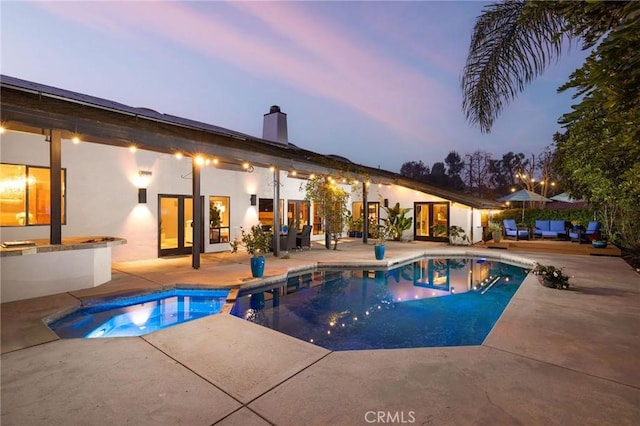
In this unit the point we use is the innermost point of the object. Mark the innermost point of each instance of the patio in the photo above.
(554, 357)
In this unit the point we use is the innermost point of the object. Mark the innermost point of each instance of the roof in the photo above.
(101, 111)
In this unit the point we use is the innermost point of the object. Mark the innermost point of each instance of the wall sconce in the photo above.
(254, 199)
(386, 202)
(142, 195)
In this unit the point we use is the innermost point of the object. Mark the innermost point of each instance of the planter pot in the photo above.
(497, 236)
(358, 234)
(379, 250)
(599, 244)
(257, 266)
(352, 234)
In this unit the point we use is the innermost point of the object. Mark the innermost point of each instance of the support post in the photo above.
(276, 211)
(55, 178)
(197, 215)
(365, 214)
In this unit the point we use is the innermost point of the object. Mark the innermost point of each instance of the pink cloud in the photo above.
(311, 53)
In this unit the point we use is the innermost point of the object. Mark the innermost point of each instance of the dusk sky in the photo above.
(376, 82)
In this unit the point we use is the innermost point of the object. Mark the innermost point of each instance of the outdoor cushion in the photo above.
(550, 228)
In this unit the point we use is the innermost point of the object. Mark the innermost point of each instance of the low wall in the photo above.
(45, 269)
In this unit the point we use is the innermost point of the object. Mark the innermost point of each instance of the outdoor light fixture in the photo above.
(386, 202)
(142, 195)
(254, 199)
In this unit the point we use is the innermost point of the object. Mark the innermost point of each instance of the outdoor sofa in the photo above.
(551, 229)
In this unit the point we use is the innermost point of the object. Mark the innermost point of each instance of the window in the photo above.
(25, 195)
(265, 212)
(218, 220)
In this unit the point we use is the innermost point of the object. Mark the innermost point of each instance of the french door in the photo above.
(175, 225)
(427, 216)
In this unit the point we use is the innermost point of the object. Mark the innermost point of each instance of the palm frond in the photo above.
(512, 43)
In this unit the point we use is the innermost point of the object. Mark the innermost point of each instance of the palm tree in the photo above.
(514, 41)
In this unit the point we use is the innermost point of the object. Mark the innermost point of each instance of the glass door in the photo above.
(297, 214)
(175, 225)
(431, 221)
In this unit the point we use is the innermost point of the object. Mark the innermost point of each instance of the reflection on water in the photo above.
(431, 302)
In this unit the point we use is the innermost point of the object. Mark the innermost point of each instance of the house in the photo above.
(73, 165)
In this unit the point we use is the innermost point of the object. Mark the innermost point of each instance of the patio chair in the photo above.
(288, 242)
(304, 238)
(511, 230)
(582, 236)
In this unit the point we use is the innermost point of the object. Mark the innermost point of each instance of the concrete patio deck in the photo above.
(554, 357)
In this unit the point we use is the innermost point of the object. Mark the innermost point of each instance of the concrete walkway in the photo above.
(554, 357)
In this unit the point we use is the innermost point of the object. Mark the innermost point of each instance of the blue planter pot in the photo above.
(599, 244)
(257, 266)
(379, 250)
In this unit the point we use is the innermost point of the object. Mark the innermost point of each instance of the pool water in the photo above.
(140, 315)
(428, 303)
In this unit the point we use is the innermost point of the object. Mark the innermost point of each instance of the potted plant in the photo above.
(457, 236)
(440, 230)
(496, 231)
(358, 226)
(350, 224)
(396, 220)
(550, 276)
(257, 242)
(381, 233)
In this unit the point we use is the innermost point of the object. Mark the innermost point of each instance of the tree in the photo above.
(504, 171)
(513, 42)
(477, 173)
(330, 202)
(599, 164)
(415, 170)
(438, 175)
(455, 165)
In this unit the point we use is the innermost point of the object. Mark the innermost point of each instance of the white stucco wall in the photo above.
(101, 188)
(102, 182)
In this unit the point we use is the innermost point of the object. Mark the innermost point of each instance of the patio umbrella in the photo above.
(565, 198)
(523, 195)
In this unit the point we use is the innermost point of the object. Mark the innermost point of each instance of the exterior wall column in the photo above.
(276, 211)
(55, 178)
(365, 213)
(197, 215)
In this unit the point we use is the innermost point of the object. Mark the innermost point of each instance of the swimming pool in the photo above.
(136, 316)
(427, 303)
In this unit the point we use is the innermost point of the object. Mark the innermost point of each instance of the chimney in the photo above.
(275, 126)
